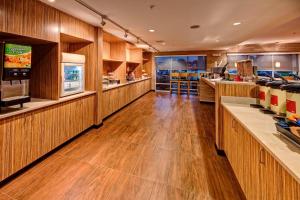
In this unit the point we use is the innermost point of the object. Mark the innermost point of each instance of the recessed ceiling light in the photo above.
(217, 40)
(195, 26)
(51, 1)
(151, 30)
(236, 23)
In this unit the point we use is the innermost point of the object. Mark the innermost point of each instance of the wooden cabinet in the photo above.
(117, 98)
(259, 174)
(228, 88)
(29, 18)
(27, 137)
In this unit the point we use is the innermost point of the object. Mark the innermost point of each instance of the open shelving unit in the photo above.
(82, 46)
(120, 58)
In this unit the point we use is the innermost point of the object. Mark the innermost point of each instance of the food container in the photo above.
(292, 98)
(278, 97)
(264, 93)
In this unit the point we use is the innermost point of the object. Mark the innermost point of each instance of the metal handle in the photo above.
(233, 125)
(262, 156)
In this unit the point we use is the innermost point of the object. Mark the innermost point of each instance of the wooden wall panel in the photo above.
(2, 16)
(99, 74)
(45, 68)
(117, 50)
(30, 18)
(76, 28)
(13, 16)
(47, 21)
(26, 137)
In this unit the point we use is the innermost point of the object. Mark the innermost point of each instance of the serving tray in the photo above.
(288, 134)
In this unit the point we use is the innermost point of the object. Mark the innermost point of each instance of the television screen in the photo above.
(17, 56)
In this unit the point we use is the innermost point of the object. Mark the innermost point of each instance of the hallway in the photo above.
(158, 147)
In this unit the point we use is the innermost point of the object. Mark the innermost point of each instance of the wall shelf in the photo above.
(133, 62)
(112, 60)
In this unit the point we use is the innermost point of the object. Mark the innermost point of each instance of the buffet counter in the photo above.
(206, 90)
(115, 98)
(253, 145)
(36, 104)
(28, 133)
(123, 84)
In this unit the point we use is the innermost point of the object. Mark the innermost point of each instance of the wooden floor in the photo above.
(159, 147)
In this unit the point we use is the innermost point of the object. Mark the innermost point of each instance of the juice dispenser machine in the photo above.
(15, 74)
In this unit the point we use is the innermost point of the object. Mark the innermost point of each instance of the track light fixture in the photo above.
(105, 19)
(126, 34)
(137, 40)
(102, 21)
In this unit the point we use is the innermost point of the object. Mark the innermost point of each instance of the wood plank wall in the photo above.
(45, 72)
(30, 18)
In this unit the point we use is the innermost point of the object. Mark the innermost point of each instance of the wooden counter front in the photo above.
(266, 165)
(27, 136)
(116, 98)
(206, 90)
(230, 88)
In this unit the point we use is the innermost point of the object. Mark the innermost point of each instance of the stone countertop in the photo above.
(262, 128)
(123, 84)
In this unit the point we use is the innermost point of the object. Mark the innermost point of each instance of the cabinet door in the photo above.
(226, 132)
(271, 177)
(251, 167)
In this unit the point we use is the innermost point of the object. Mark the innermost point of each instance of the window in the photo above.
(168, 64)
(282, 63)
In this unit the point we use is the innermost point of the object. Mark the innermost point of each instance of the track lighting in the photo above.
(126, 34)
(105, 19)
(102, 21)
(137, 40)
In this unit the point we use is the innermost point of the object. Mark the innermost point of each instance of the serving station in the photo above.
(265, 163)
(53, 68)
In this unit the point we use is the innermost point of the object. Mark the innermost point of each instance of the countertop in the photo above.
(36, 104)
(123, 84)
(213, 82)
(262, 128)
(210, 82)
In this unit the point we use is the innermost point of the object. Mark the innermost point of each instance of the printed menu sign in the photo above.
(17, 56)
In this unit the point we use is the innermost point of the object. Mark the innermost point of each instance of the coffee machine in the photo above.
(15, 61)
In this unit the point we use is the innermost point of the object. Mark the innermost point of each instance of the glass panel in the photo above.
(163, 63)
(162, 87)
(167, 64)
(263, 62)
(232, 59)
(162, 76)
(179, 63)
(288, 62)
